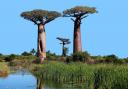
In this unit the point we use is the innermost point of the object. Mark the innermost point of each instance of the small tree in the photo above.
(64, 41)
(81, 56)
(33, 51)
(79, 13)
(40, 18)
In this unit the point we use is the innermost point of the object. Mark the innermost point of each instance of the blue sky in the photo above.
(103, 33)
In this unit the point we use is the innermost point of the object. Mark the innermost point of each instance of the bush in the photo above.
(51, 56)
(12, 63)
(68, 59)
(120, 61)
(126, 60)
(1, 54)
(81, 56)
(110, 58)
(2, 57)
(26, 54)
(106, 59)
(10, 58)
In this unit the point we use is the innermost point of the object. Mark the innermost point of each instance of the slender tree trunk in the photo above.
(63, 49)
(41, 44)
(77, 46)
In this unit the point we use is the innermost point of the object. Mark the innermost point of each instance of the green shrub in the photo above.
(10, 58)
(81, 56)
(106, 59)
(1, 54)
(120, 61)
(110, 58)
(69, 59)
(12, 63)
(33, 51)
(51, 56)
(26, 54)
(126, 60)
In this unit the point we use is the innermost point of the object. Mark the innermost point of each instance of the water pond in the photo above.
(24, 80)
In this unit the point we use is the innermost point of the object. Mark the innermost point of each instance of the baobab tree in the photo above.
(64, 41)
(40, 18)
(78, 13)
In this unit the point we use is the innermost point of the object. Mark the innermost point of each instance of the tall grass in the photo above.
(98, 76)
(111, 77)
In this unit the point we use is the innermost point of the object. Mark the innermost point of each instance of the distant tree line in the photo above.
(84, 57)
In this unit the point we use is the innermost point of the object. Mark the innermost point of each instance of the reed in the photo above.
(96, 76)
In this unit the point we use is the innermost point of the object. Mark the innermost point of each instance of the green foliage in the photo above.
(64, 41)
(97, 76)
(79, 11)
(126, 60)
(114, 77)
(51, 56)
(4, 69)
(58, 71)
(26, 54)
(81, 56)
(40, 16)
(110, 58)
(22, 61)
(1, 54)
(1, 57)
(10, 58)
(33, 51)
(13, 63)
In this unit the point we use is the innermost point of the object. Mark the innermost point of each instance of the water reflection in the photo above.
(24, 80)
(18, 80)
(40, 84)
(56, 85)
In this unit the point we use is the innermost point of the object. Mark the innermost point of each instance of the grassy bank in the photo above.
(4, 69)
(111, 77)
(96, 76)
(12, 63)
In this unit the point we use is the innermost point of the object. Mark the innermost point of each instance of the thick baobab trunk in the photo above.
(77, 46)
(41, 45)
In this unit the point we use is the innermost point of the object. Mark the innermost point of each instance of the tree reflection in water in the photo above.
(40, 83)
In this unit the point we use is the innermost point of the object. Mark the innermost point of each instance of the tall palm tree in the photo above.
(79, 13)
(40, 18)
